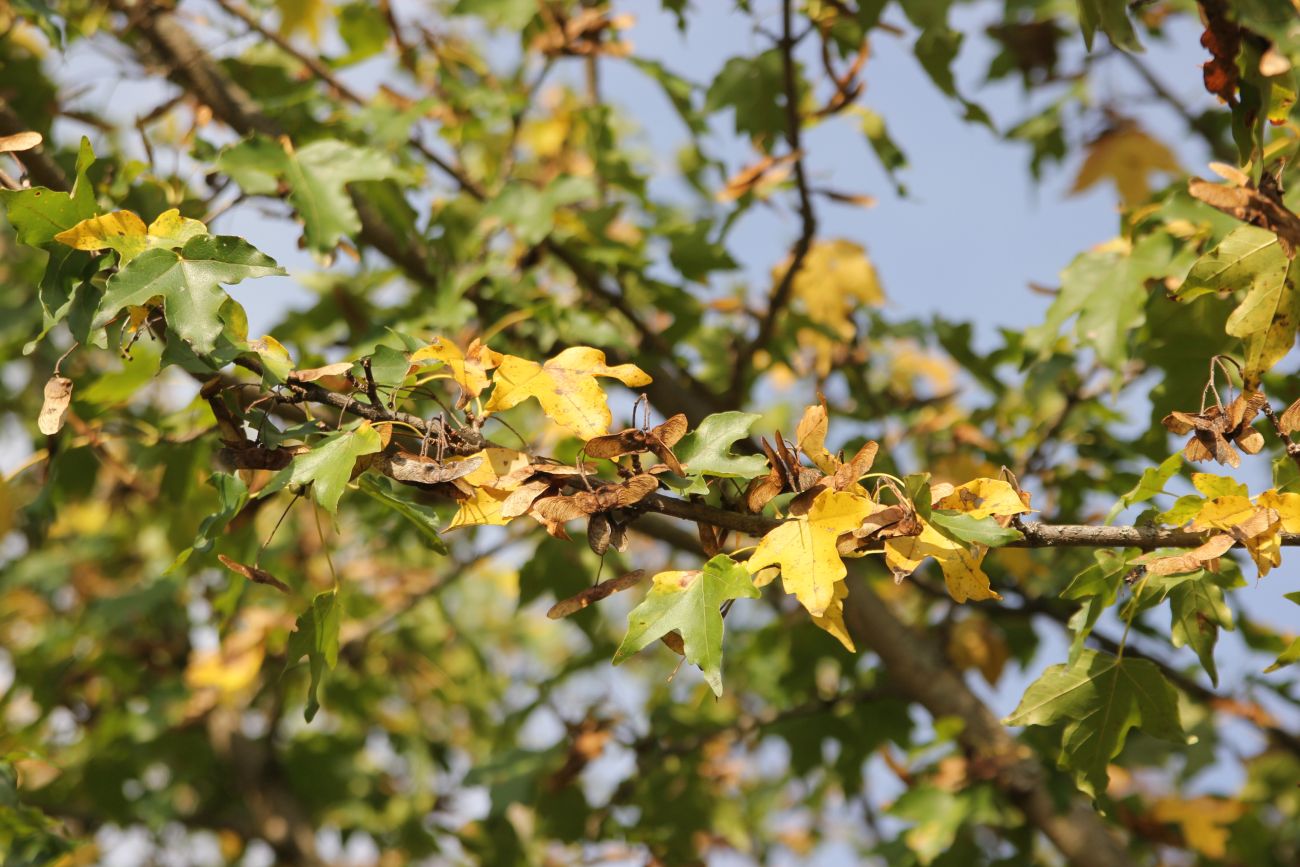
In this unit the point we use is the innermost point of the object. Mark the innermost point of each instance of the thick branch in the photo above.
(917, 668)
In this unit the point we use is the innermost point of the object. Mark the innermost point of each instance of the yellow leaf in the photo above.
(1259, 528)
(835, 280)
(811, 438)
(468, 371)
(235, 664)
(303, 15)
(483, 508)
(125, 232)
(122, 231)
(1205, 821)
(487, 489)
(1128, 157)
(975, 643)
(981, 498)
(497, 462)
(961, 566)
(1287, 507)
(833, 620)
(170, 229)
(804, 549)
(565, 386)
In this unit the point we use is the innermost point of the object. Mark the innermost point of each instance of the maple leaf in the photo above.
(984, 498)
(688, 603)
(1127, 156)
(189, 283)
(565, 386)
(126, 234)
(316, 175)
(1206, 821)
(833, 620)
(487, 487)
(961, 565)
(1100, 698)
(1267, 317)
(38, 214)
(810, 435)
(329, 465)
(1258, 528)
(836, 278)
(468, 369)
(804, 549)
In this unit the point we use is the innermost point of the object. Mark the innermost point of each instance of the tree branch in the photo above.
(920, 672)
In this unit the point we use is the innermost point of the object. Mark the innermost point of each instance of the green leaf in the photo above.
(965, 528)
(1197, 611)
(1182, 511)
(1267, 317)
(189, 283)
(707, 449)
(363, 29)
(1112, 16)
(38, 214)
(232, 496)
(1100, 698)
(328, 466)
(1106, 290)
(1099, 586)
(755, 88)
(505, 14)
(892, 159)
(317, 175)
(383, 490)
(917, 488)
(1291, 655)
(530, 211)
(678, 90)
(687, 602)
(1152, 483)
(316, 636)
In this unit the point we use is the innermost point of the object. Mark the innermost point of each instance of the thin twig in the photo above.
(807, 216)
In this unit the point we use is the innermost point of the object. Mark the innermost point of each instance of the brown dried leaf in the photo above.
(767, 172)
(253, 573)
(1189, 561)
(409, 467)
(1290, 419)
(592, 595)
(521, 498)
(58, 395)
(311, 374)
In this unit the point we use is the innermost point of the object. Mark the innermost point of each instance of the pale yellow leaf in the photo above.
(804, 549)
(565, 386)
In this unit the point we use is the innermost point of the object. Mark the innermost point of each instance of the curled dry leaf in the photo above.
(1260, 207)
(605, 498)
(659, 440)
(1289, 421)
(19, 141)
(521, 498)
(592, 595)
(1204, 557)
(253, 573)
(1214, 430)
(58, 395)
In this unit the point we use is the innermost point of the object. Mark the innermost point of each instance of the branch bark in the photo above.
(917, 667)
